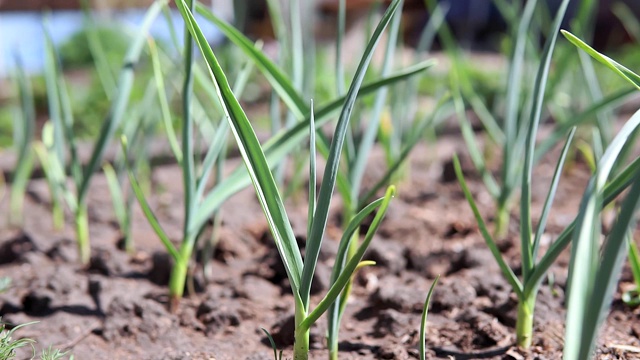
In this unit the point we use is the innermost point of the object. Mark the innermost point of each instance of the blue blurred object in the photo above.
(21, 33)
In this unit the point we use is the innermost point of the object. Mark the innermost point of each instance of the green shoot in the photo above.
(423, 320)
(23, 133)
(276, 355)
(594, 271)
(60, 137)
(599, 194)
(526, 290)
(104, 70)
(8, 345)
(350, 184)
(120, 205)
(355, 173)
(632, 297)
(54, 354)
(617, 68)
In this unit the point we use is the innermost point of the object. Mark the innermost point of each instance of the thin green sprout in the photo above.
(632, 297)
(276, 355)
(23, 128)
(423, 320)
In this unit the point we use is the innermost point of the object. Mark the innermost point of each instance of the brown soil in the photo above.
(117, 308)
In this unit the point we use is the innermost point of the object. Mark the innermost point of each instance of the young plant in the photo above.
(361, 143)
(351, 177)
(60, 138)
(423, 321)
(348, 184)
(277, 355)
(23, 133)
(8, 345)
(526, 290)
(598, 194)
(300, 273)
(138, 129)
(594, 270)
(195, 182)
(632, 297)
(54, 354)
(204, 203)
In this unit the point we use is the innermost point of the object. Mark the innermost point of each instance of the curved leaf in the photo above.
(254, 159)
(619, 69)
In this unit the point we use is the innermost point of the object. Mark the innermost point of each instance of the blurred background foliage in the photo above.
(478, 26)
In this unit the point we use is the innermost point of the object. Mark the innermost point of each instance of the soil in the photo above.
(117, 307)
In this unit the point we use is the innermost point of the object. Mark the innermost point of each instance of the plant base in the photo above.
(524, 324)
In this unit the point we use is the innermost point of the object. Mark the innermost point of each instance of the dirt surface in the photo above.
(117, 308)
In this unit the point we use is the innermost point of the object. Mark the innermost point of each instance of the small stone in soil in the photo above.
(216, 317)
(100, 262)
(13, 249)
(187, 318)
(393, 351)
(391, 322)
(432, 264)
(138, 319)
(452, 294)
(256, 289)
(231, 247)
(62, 281)
(475, 257)
(387, 254)
(404, 299)
(283, 331)
(457, 230)
(488, 332)
(160, 271)
(260, 356)
(505, 312)
(64, 250)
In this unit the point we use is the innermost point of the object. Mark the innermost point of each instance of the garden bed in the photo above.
(117, 308)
